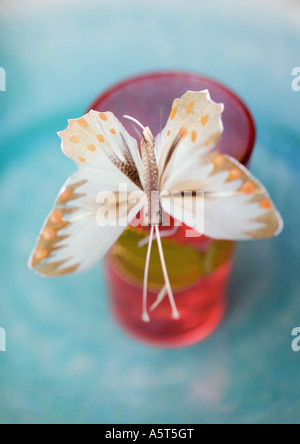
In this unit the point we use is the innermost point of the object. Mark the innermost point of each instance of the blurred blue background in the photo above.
(66, 361)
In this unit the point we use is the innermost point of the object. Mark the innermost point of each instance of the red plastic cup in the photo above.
(199, 268)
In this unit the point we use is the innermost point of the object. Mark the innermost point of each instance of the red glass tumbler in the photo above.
(199, 268)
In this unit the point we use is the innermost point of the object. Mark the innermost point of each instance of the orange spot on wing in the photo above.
(204, 119)
(41, 254)
(81, 159)
(100, 138)
(83, 123)
(49, 234)
(66, 195)
(194, 136)
(91, 147)
(183, 132)
(190, 108)
(74, 139)
(173, 113)
(103, 117)
(113, 131)
(56, 217)
(218, 160)
(248, 187)
(234, 174)
(266, 204)
(168, 133)
(207, 143)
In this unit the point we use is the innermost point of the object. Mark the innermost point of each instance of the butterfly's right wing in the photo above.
(97, 202)
(97, 135)
(85, 222)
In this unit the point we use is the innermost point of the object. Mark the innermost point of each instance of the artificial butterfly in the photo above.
(181, 158)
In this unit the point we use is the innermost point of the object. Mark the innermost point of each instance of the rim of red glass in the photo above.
(186, 74)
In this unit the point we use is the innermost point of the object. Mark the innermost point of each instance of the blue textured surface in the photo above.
(66, 360)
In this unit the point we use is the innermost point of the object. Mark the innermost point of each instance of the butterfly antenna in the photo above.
(145, 315)
(165, 233)
(175, 313)
(161, 296)
(132, 119)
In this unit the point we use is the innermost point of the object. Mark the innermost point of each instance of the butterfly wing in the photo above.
(91, 210)
(194, 125)
(88, 139)
(236, 204)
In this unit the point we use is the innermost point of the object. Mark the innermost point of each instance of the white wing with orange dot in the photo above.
(92, 210)
(96, 135)
(194, 125)
(236, 205)
(84, 223)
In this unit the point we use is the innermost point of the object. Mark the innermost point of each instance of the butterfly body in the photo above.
(153, 210)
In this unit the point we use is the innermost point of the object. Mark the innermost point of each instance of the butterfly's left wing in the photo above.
(236, 204)
(194, 126)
